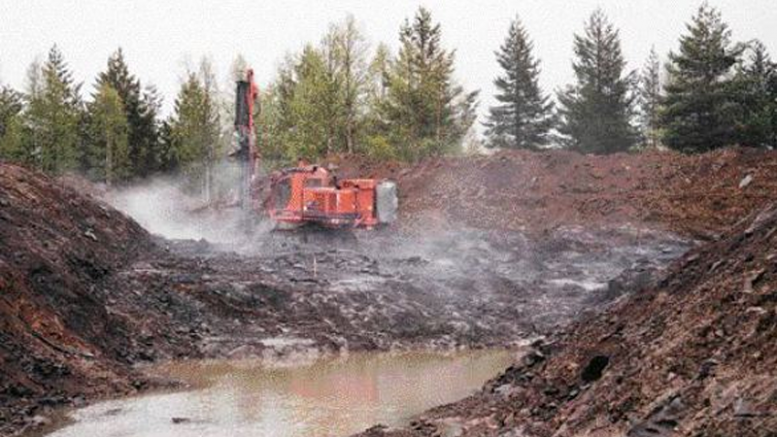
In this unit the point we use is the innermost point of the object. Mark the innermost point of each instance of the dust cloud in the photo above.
(176, 208)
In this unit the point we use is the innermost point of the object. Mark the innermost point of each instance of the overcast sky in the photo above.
(159, 37)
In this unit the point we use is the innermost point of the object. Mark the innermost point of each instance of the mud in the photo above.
(377, 291)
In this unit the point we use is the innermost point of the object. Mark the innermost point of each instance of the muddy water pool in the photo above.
(330, 397)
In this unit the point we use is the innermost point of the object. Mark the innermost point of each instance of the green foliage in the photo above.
(755, 85)
(108, 156)
(141, 110)
(195, 130)
(330, 99)
(424, 113)
(51, 119)
(340, 96)
(524, 116)
(11, 141)
(319, 99)
(698, 112)
(596, 111)
(379, 147)
(345, 50)
(10, 107)
(168, 161)
(314, 109)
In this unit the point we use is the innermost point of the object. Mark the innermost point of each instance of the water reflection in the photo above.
(328, 398)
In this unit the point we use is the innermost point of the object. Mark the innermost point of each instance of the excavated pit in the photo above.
(386, 290)
(89, 295)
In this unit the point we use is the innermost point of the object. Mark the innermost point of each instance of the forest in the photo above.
(342, 95)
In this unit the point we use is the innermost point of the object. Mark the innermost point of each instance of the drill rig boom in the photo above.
(246, 95)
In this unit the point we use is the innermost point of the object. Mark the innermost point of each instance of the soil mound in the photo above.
(56, 335)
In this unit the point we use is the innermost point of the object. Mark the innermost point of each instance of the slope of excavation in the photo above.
(693, 355)
(87, 293)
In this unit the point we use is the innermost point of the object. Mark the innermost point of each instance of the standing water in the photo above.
(333, 397)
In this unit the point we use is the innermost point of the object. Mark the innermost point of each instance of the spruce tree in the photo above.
(524, 116)
(11, 145)
(168, 161)
(109, 132)
(596, 112)
(698, 112)
(141, 110)
(755, 86)
(195, 132)
(650, 100)
(51, 119)
(147, 132)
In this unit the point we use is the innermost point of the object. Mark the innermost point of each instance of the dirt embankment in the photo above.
(694, 195)
(693, 355)
(57, 338)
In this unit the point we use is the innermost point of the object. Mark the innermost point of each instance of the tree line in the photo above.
(341, 95)
(711, 93)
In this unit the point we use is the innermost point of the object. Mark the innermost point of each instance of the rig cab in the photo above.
(312, 194)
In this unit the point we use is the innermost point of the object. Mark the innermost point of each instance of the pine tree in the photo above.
(51, 119)
(281, 126)
(109, 131)
(698, 112)
(269, 128)
(377, 127)
(524, 116)
(650, 100)
(755, 86)
(308, 111)
(425, 112)
(596, 111)
(378, 71)
(10, 107)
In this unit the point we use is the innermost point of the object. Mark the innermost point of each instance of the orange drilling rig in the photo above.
(307, 194)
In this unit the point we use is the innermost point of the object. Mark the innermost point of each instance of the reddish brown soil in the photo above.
(696, 195)
(694, 355)
(56, 337)
(85, 292)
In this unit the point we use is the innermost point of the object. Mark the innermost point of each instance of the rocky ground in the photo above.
(692, 355)
(88, 293)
